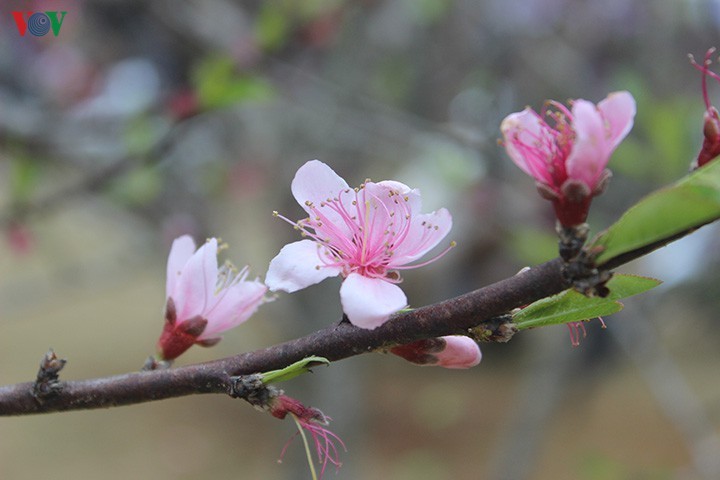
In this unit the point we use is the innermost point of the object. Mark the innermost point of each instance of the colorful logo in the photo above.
(38, 23)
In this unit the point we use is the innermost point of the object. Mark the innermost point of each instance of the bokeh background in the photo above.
(141, 121)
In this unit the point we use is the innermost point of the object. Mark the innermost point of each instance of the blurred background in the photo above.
(141, 121)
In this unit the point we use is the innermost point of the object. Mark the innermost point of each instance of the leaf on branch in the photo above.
(572, 306)
(293, 370)
(689, 203)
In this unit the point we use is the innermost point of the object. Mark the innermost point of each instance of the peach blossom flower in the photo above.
(366, 235)
(203, 300)
(567, 156)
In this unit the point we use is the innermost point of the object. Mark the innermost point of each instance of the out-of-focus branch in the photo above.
(94, 181)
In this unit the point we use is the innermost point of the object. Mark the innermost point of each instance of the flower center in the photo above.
(360, 230)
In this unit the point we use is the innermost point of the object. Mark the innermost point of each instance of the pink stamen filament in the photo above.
(706, 72)
(550, 148)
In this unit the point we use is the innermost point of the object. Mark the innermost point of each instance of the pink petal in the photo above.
(234, 306)
(195, 288)
(459, 352)
(180, 252)
(527, 128)
(618, 109)
(369, 302)
(423, 236)
(591, 149)
(296, 267)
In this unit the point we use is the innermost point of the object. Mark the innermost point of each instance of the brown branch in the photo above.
(458, 315)
(453, 316)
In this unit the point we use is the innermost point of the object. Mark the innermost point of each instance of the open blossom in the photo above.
(454, 351)
(711, 119)
(366, 235)
(203, 300)
(566, 150)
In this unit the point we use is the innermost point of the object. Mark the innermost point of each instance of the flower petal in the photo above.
(618, 109)
(527, 142)
(196, 285)
(369, 302)
(591, 149)
(298, 265)
(234, 305)
(426, 231)
(316, 182)
(459, 352)
(412, 195)
(180, 252)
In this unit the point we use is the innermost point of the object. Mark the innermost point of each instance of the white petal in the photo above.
(180, 252)
(426, 231)
(316, 182)
(369, 302)
(234, 305)
(196, 286)
(297, 266)
(414, 202)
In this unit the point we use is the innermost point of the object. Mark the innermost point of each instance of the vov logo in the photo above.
(38, 23)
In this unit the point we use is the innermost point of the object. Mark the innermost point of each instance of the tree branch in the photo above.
(454, 316)
(343, 340)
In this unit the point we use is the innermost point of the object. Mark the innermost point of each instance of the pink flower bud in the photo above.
(453, 351)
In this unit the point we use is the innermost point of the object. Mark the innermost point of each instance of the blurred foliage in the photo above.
(219, 84)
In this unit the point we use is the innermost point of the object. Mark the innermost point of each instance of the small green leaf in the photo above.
(293, 370)
(572, 306)
(689, 203)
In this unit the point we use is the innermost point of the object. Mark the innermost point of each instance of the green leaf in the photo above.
(293, 370)
(572, 306)
(689, 203)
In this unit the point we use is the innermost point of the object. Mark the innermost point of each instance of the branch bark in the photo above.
(454, 316)
(342, 340)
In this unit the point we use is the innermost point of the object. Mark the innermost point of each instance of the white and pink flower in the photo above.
(567, 156)
(203, 300)
(366, 235)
